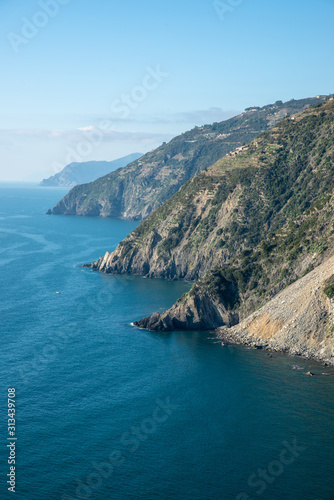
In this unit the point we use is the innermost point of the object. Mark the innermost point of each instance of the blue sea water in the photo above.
(107, 411)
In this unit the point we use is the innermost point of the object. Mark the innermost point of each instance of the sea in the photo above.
(93, 408)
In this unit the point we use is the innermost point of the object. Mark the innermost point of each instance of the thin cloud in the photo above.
(186, 118)
(199, 117)
(84, 133)
(190, 118)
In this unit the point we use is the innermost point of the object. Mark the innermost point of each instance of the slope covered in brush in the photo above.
(137, 190)
(227, 210)
(230, 293)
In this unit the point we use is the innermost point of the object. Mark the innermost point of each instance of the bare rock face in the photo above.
(150, 251)
(299, 320)
(191, 312)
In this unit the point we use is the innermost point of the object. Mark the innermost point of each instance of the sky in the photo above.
(83, 80)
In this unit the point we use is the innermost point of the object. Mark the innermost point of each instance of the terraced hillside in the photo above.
(137, 190)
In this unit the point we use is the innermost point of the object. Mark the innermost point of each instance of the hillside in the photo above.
(230, 208)
(137, 190)
(81, 173)
(248, 227)
(230, 293)
(300, 320)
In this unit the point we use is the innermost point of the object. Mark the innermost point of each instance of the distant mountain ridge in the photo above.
(137, 190)
(83, 172)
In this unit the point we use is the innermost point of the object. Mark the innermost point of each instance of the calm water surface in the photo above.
(107, 411)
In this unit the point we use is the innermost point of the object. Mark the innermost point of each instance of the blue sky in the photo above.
(146, 71)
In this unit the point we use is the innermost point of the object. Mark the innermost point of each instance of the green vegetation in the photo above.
(221, 283)
(290, 183)
(138, 189)
(277, 261)
(329, 287)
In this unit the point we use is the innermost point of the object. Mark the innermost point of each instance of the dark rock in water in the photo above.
(49, 212)
(191, 312)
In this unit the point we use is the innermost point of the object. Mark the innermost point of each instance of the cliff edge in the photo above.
(299, 320)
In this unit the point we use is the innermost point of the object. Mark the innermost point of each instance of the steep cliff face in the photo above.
(137, 190)
(234, 291)
(194, 311)
(299, 320)
(229, 209)
(150, 252)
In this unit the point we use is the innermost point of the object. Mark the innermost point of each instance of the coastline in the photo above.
(298, 321)
(238, 338)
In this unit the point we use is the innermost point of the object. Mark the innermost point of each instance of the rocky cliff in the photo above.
(236, 290)
(194, 311)
(299, 320)
(137, 190)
